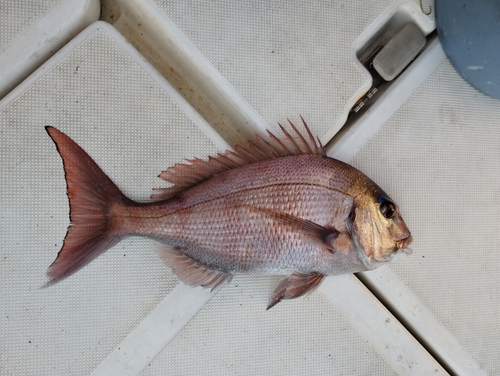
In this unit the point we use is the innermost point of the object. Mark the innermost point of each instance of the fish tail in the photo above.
(91, 196)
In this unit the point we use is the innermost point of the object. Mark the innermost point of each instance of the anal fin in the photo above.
(295, 285)
(191, 272)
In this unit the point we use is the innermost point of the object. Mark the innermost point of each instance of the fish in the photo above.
(278, 206)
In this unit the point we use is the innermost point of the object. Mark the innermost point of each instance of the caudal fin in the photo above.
(91, 195)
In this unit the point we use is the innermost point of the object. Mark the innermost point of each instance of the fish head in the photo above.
(377, 228)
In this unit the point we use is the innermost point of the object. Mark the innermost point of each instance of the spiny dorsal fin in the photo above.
(186, 175)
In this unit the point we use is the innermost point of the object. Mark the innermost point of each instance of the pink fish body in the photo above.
(277, 207)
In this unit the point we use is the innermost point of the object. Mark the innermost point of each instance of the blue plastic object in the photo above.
(469, 31)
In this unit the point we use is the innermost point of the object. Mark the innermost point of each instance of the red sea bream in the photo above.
(278, 206)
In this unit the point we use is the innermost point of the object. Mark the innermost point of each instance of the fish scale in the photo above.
(216, 231)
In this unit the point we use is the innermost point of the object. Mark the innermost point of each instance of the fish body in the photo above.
(230, 223)
(277, 207)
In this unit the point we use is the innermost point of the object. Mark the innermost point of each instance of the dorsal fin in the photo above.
(186, 175)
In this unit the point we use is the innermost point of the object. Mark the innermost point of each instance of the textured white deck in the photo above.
(437, 156)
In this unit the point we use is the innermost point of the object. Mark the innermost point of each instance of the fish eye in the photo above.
(388, 209)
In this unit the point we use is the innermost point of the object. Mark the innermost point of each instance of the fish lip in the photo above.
(404, 243)
(407, 251)
(400, 255)
(400, 251)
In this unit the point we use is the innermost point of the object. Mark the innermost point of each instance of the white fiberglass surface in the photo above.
(17, 16)
(32, 31)
(96, 93)
(107, 103)
(284, 57)
(235, 335)
(439, 158)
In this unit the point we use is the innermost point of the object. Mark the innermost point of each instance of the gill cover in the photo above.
(379, 229)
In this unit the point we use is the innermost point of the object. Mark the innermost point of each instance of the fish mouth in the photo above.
(404, 243)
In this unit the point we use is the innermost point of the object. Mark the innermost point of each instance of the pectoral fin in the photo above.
(191, 272)
(310, 232)
(294, 286)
